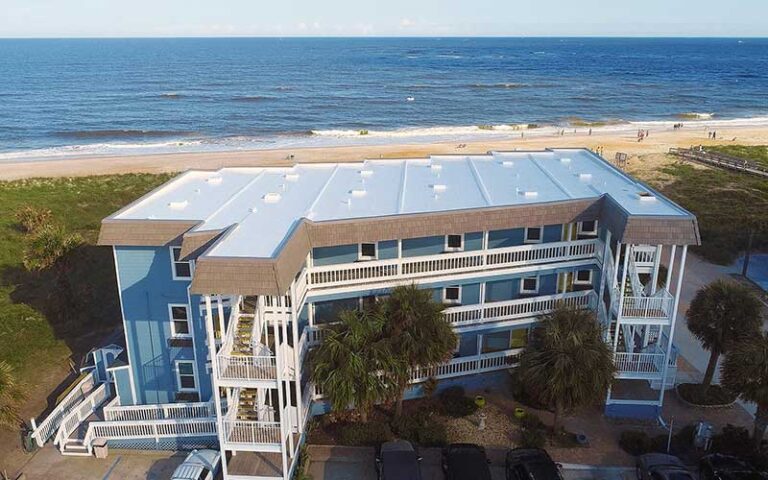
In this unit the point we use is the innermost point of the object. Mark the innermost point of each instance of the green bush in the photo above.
(636, 443)
(30, 219)
(365, 434)
(421, 428)
(531, 421)
(455, 403)
(532, 438)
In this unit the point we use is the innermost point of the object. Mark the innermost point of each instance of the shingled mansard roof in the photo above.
(250, 228)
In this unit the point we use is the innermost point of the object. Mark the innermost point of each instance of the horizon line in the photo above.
(425, 36)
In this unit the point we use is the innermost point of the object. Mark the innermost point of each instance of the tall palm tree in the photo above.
(418, 332)
(11, 395)
(719, 315)
(348, 364)
(745, 372)
(567, 365)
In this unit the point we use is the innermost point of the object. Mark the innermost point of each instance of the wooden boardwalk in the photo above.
(714, 159)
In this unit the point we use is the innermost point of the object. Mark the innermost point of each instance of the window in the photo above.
(181, 270)
(495, 342)
(367, 251)
(529, 285)
(457, 348)
(179, 315)
(185, 375)
(583, 277)
(533, 234)
(519, 338)
(454, 243)
(204, 474)
(452, 295)
(587, 228)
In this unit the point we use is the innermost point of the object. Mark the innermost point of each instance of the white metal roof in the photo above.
(266, 203)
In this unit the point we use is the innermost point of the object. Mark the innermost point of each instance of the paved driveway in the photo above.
(354, 463)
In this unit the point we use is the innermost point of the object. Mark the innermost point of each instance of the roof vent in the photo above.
(366, 173)
(178, 205)
(565, 160)
(291, 177)
(272, 197)
(439, 187)
(585, 177)
(646, 196)
(528, 193)
(357, 192)
(215, 180)
(436, 167)
(508, 163)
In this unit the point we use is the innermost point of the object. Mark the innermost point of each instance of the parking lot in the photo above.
(354, 463)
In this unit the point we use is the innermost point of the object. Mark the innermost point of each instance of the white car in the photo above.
(199, 465)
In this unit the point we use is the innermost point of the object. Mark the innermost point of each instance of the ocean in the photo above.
(130, 96)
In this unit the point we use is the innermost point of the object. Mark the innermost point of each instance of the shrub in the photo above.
(365, 434)
(635, 443)
(455, 403)
(430, 387)
(531, 421)
(30, 219)
(421, 428)
(532, 438)
(715, 394)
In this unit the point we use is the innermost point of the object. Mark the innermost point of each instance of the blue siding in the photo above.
(506, 238)
(123, 382)
(553, 233)
(334, 255)
(635, 412)
(413, 247)
(473, 241)
(147, 289)
(326, 312)
(387, 249)
(470, 293)
(502, 290)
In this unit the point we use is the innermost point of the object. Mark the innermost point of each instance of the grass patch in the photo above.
(693, 393)
(32, 331)
(757, 154)
(721, 200)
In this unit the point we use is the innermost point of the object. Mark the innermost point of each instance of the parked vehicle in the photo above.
(465, 461)
(199, 465)
(660, 466)
(531, 464)
(727, 467)
(398, 460)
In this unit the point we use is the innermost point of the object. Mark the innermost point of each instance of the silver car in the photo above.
(199, 465)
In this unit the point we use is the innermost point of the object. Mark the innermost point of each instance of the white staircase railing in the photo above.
(77, 416)
(48, 427)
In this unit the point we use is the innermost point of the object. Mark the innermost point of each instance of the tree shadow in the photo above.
(163, 468)
(80, 301)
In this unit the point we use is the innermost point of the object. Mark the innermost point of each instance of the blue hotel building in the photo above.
(228, 277)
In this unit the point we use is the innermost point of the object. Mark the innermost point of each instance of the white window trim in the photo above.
(541, 235)
(457, 348)
(581, 231)
(446, 248)
(522, 284)
(173, 264)
(364, 258)
(448, 301)
(178, 376)
(576, 280)
(173, 324)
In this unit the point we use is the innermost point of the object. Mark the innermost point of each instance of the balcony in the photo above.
(331, 276)
(466, 317)
(486, 362)
(251, 435)
(242, 360)
(656, 309)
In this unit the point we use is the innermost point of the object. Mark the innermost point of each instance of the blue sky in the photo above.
(89, 18)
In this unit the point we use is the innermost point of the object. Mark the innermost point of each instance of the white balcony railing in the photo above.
(643, 364)
(157, 429)
(167, 411)
(512, 309)
(246, 367)
(644, 256)
(486, 362)
(461, 262)
(51, 423)
(658, 307)
(80, 414)
(251, 432)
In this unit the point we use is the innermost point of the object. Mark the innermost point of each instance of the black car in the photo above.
(398, 460)
(531, 464)
(726, 467)
(465, 461)
(660, 466)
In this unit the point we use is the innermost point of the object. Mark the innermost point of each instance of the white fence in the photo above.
(168, 411)
(247, 367)
(156, 429)
(643, 364)
(413, 267)
(250, 432)
(511, 309)
(78, 415)
(659, 306)
(48, 427)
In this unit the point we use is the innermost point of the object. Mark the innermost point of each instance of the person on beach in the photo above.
(590, 132)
